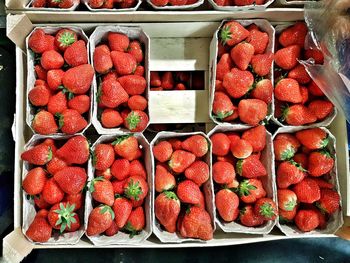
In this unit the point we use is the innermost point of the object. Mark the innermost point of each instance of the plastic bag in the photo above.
(329, 31)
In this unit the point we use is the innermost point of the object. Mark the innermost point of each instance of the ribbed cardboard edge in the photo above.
(116, 10)
(30, 7)
(241, 8)
(176, 7)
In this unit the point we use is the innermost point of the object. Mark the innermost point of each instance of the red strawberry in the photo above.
(293, 35)
(315, 90)
(220, 143)
(160, 2)
(75, 150)
(285, 146)
(50, 142)
(112, 230)
(57, 103)
(329, 201)
(136, 121)
(71, 179)
(181, 160)
(155, 79)
(306, 220)
(223, 109)
(64, 38)
(54, 78)
(124, 63)
(266, 208)
(103, 156)
(118, 41)
(249, 218)
(112, 94)
(38, 155)
(162, 151)
(288, 90)
(126, 147)
(137, 102)
(288, 173)
(137, 169)
(233, 137)
(164, 180)
(62, 217)
(251, 190)
(167, 80)
(40, 72)
(135, 188)
(140, 70)
(196, 144)
(34, 181)
(120, 169)
(55, 165)
(42, 213)
(227, 203)
(167, 209)
(39, 230)
(135, 49)
(313, 139)
(71, 121)
(122, 208)
(297, 115)
(256, 137)
(105, 174)
(196, 223)
(111, 118)
(323, 184)
(237, 82)
(286, 58)
(38, 41)
(51, 59)
(223, 66)
(52, 193)
(259, 40)
(287, 199)
(299, 74)
(252, 111)
(118, 186)
(80, 103)
(133, 84)
(175, 143)
(76, 54)
(102, 191)
(39, 96)
(302, 159)
(232, 33)
(66, 3)
(100, 219)
(243, 2)
(96, 3)
(44, 123)
(40, 82)
(198, 172)
(320, 163)
(287, 216)
(307, 191)
(304, 94)
(242, 54)
(251, 167)
(74, 199)
(316, 54)
(136, 221)
(40, 202)
(188, 192)
(241, 149)
(223, 172)
(321, 108)
(77, 80)
(102, 59)
(178, 2)
(262, 63)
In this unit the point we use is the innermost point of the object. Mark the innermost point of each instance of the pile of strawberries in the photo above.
(64, 4)
(173, 2)
(119, 188)
(60, 95)
(179, 80)
(119, 64)
(239, 2)
(110, 4)
(298, 100)
(180, 172)
(303, 168)
(55, 181)
(242, 87)
(241, 197)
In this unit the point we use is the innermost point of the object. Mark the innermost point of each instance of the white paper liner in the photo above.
(50, 9)
(120, 237)
(335, 220)
(99, 35)
(176, 7)
(265, 26)
(30, 111)
(327, 121)
(241, 8)
(69, 238)
(208, 190)
(269, 183)
(116, 10)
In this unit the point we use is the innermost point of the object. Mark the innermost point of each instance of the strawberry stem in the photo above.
(133, 190)
(65, 216)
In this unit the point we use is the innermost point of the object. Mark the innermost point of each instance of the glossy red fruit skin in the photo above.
(227, 203)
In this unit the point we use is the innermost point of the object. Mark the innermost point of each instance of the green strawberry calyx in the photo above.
(319, 206)
(106, 208)
(92, 183)
(133, 190)
(60, 118)
(242, 211)
(245, 187)
(66, 38)
(283, 220)
(285, 112)
(133, 120)
(297, 165)
(65, 216)
(130, 228)
(324, 143)
(225, 34)
(239, 167)
(49, 155)
(287, 153)
(266, 210)
(222, 115)
(120, 139)
(326, 153)
(171, 195)
(289, 206)
(66, 91)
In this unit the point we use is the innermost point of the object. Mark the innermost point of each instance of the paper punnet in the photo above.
(100, 35)
(175, 7)
(336, 220)
(116, 10)
(241, 8)
(28, 212)
(208, 190)
(269, 183)
(266, 27)
(30, 111)
(120, 237)
(52, 9)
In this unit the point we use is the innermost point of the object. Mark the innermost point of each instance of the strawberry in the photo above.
(123, 63)
(220, 143)
(80, 103)
(135, 188)
(38, 41)
(198, 172)
(40, 202)
(196, 223)
(76, 54)
(102, 59)
(188, 192)
(155, 79)
(167, 210)
(120, 169)
(38, 155)
(315, 90)
(252, 111)
(218, 86)
(237, 82)
(250, 167)
(242, 54)
(297, 115)
(122, 208)
(133, 84)
(243, 2)
(62, 217)
(321, 108)
(77, 80)
(241, 149)
(71, 179)
(51, 59)
(256, 137)
(50, 142)
(259, 40)
(266, 208)
(74, 199)
(167, 80)
(40, 72)
(286, 58)
(118, 186)
(223, 172)
(306, 220)
(288, 90)
(66, 3)
(96, 3)
(196, 144)
(250, 190)
(288, 173)
(40, 82)
(313, 139)
(44, 123)
(307, 191)
(316, 54)
(112, 230)
(323, 184)
(232, 33)
(102, 191)
(52, 193)
(136, 221)
(320, 163)
(100, 219)
(118, 41)
(34, 181)
(75, 150)
(39, 96)
(299, 74)
(70, 121)
(302, 159)
(54, 78)
(106, 174)
(162, 151)
(137, 102)
(287, 199)
(329, 201)
(175, 143)
(223, 109)
(223, 66)
(126, 146)
(57, 103)
(64, 38)
(103, 156)
(227, 203)
(248, 217)
(39, 230)
(42, 213)
(135, 49)
(140, 71)
(55, 165)
(136, 121)
(304, 94)
(164, 180)
(180, 160)
(160, 2)
(293, 35)
(112, 94)
(287, 216)
(261, 63)
(111, 118)
(137, 169)
(285, 146)
(178, 2)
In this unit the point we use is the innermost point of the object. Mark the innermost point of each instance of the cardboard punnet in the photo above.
(241, 8)
(115, 10)
(175, 7)
(267, 157)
